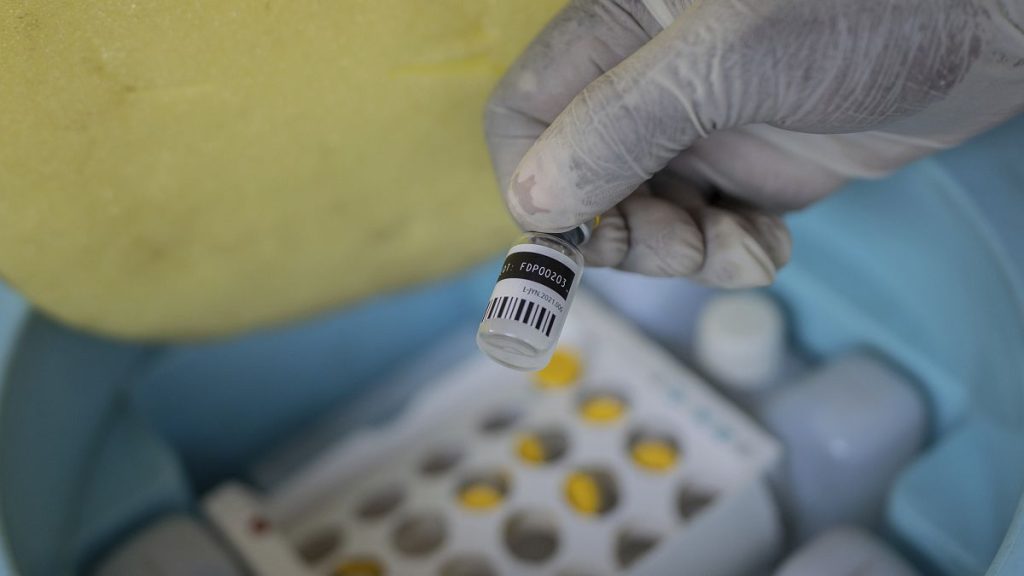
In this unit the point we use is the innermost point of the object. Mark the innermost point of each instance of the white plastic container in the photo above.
(848, 429)
(741, 341)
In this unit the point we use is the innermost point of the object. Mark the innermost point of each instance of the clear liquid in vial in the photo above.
(527, 310)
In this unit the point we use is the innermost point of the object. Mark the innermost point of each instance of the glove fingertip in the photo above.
(539, 198)
(734, 258)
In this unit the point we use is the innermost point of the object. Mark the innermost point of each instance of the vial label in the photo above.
(533, 288)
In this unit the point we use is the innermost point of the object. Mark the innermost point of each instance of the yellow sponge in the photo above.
(175, 169)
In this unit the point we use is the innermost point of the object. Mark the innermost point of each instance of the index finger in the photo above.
(581, 43)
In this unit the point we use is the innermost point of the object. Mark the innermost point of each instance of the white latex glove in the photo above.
(643, 110)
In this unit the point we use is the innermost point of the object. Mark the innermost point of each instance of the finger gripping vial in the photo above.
(526, 311)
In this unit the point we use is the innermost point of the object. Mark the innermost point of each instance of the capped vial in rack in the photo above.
(531, 299)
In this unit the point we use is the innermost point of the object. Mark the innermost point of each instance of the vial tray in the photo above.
(613, 459)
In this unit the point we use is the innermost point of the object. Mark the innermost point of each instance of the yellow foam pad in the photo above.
(359, 567)
(602, 409)
(584, 493)
(176, 169)
(562, 371)
(480, 496)
(655, 455)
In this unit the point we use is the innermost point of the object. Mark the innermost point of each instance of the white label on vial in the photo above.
(533, 288)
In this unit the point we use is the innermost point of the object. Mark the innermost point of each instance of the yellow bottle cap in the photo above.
(584, 493)
(602, 409)
(655, 455)
(359, 567)
(562, 371)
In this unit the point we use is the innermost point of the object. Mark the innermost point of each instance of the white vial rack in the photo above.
(614, 459)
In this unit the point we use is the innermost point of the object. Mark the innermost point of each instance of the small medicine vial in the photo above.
(531, 299)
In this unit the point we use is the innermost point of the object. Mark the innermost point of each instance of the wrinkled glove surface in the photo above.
(692, 124)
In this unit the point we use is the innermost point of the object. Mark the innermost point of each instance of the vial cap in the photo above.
(584, 493)
(359, 567)
(562, 371)
(655, 455)
(741, 340)
(602, 409)
(531, 449)
(480, 497)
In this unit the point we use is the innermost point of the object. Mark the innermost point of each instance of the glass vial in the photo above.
(531, 299)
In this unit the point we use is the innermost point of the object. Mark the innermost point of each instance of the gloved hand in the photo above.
(690, 124)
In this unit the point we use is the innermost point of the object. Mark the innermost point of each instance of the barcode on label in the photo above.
(521, 310)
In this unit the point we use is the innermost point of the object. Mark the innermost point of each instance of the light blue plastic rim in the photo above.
(14, 312)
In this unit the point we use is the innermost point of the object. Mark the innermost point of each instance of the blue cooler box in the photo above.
(99, 437)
